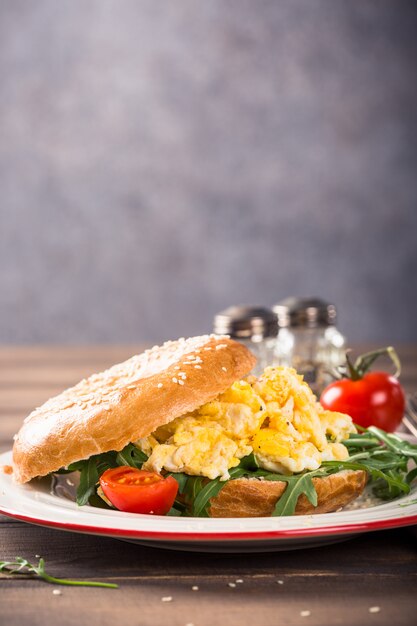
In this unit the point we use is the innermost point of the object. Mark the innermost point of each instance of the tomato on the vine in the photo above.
(371, 399)
(137, 491)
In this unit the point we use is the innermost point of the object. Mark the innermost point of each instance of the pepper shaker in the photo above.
(308, 339)
(255, 327)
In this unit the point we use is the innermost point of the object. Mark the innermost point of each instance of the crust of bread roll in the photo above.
(127, 402)
(249, 497)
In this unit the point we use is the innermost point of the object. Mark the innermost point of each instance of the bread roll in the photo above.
(126, 402)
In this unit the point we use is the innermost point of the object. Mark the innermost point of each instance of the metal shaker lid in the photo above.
(308, 312)
(242, 322)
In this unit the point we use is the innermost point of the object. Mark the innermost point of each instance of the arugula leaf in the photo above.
(88, 481)
(391, 479)
(175, 512)
(131, 455)
(394, 443)
(412, 475)
(196, 485)
(249, 462)
(361, 441)
(296, 486)
(181, 479)
(210, 490)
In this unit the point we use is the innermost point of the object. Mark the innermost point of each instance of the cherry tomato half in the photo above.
(137, 491)
(377, 399)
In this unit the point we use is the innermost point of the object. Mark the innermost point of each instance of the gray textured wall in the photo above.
(162, 160)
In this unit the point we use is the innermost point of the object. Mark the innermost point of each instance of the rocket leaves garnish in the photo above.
(92, 468)
(384, 457)
(296, 486)
(88, 480)
(131, 455)
(210, 490)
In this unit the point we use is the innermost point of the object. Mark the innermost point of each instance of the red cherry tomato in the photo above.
(377, 399)
(136, 491)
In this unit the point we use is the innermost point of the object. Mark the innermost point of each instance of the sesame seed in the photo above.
(180, 382)
(280, 582)
(57, 592)
(166, 599)
(233, 585)
(224, 369)
(159, 385)
(175, 380)
(194, 588)
(239, 580)
(374, 609)
(305, 613)
(197, 367)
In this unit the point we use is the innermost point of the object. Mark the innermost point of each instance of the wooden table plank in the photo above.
(145, 575)
(390, 553)
(260, 602)
(148, 575)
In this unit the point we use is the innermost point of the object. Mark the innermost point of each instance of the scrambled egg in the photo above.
(296, 436)
(276, 416)
(212, 439)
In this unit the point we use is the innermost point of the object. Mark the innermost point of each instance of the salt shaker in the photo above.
(308, 339)
(255, 327)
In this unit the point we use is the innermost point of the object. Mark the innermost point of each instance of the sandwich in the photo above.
(184, 429)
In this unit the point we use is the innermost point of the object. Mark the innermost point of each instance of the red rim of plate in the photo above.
(340, 529)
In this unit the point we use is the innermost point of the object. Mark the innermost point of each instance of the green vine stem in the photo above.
(364, 362)
(358, 369)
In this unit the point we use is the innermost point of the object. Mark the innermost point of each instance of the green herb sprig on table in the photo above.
(22, 567)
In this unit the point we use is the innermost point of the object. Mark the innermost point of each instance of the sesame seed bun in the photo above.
(126, 402)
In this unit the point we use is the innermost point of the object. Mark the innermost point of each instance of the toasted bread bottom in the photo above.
(249, 497)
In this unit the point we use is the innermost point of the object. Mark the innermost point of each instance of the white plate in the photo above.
(35, 504)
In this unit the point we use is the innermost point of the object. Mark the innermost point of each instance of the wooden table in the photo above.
(336, 584)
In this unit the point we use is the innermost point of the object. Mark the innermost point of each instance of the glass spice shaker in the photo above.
(255, 327)
(308, 339)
